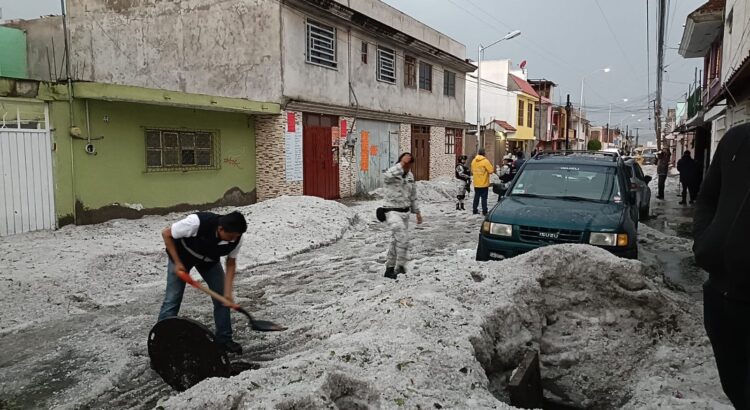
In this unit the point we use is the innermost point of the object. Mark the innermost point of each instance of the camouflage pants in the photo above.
(398, 222)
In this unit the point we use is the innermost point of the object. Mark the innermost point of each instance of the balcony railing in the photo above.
(695, 102)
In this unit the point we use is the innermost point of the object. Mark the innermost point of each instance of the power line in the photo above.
(545, 54)
(648, 45)
(617, 41)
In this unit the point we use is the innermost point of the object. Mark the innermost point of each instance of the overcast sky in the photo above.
(561, 41)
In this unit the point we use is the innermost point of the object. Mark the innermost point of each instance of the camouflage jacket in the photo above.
(400, 189)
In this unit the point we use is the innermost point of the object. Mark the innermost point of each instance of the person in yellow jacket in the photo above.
(481, 168)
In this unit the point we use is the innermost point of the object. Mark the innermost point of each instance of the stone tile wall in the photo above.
(270, 150)
(441, 164)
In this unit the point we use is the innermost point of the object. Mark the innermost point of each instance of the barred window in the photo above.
(449, 83)
(450, 140)
(425, 76)
(386, 65)
(321, 44)
(364, 52)
(172, 149)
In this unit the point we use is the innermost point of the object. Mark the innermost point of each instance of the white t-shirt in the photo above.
(188, 228)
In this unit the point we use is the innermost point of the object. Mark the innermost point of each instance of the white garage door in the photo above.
(26, 187)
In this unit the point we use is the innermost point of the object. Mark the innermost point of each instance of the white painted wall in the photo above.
(497, 102)
(736, 45)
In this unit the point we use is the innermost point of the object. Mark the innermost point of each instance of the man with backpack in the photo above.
(200, 241)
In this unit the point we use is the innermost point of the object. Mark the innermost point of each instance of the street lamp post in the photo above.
(512, 34)
(580, 107)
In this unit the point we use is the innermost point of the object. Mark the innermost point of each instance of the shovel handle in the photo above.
(190, 281)
(255, 325)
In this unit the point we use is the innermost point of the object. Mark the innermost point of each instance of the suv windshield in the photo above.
(584, 182)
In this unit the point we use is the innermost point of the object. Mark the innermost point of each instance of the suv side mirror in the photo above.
(648, 179)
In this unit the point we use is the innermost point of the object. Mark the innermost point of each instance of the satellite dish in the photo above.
(523, 64)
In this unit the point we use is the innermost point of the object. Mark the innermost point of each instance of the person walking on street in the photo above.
(720, 227)
(481, 168)
(662, 170)
(688, 169)
(463, 184)
(400, 199)
(199, 241)
(518, 163)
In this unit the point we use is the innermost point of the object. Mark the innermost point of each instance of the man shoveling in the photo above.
(199, 241)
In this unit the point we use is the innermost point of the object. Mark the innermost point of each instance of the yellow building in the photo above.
(525, 137)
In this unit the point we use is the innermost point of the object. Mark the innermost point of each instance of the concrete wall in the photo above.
(114, 183)
(45, 46)
(308, 82)
(13, 53)
(407, 24)
(225, 48)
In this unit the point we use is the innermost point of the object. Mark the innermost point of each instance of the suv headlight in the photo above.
(608, 239)
(496, 229)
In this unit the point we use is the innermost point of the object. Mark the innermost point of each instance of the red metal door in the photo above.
(420, 149)
(320, 163)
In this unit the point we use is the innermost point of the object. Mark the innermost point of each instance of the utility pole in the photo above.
(636, 137)
(660, 70)
(627, 136)
(539, 136)
(567, 124)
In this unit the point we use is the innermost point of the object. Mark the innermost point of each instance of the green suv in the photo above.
(563, 197)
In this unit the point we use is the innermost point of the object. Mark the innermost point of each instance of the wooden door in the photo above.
(320, 157)
(420, 149)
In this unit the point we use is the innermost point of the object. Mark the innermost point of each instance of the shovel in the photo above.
(259, 325)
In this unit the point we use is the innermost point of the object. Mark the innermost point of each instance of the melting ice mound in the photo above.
(449, 334)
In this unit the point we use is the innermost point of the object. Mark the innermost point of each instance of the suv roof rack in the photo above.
(613, 156)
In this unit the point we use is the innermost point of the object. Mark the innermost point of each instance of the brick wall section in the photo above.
(441, 164)
(270, 152)
(404, 138)
(347, 162)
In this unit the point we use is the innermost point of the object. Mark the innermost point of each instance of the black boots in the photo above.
(392, 273)
(232, 347)
(460, 207)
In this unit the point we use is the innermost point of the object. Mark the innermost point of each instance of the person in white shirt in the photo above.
(200, 241)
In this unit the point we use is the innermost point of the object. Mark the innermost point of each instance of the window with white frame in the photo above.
(179, 149)
(321, 44)
(386, 65)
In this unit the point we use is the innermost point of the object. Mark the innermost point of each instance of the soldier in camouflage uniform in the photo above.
(400, 200)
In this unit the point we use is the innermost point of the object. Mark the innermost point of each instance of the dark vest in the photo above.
(204, 248)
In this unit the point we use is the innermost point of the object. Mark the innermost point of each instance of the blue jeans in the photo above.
(214, 277)
(480, 193)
